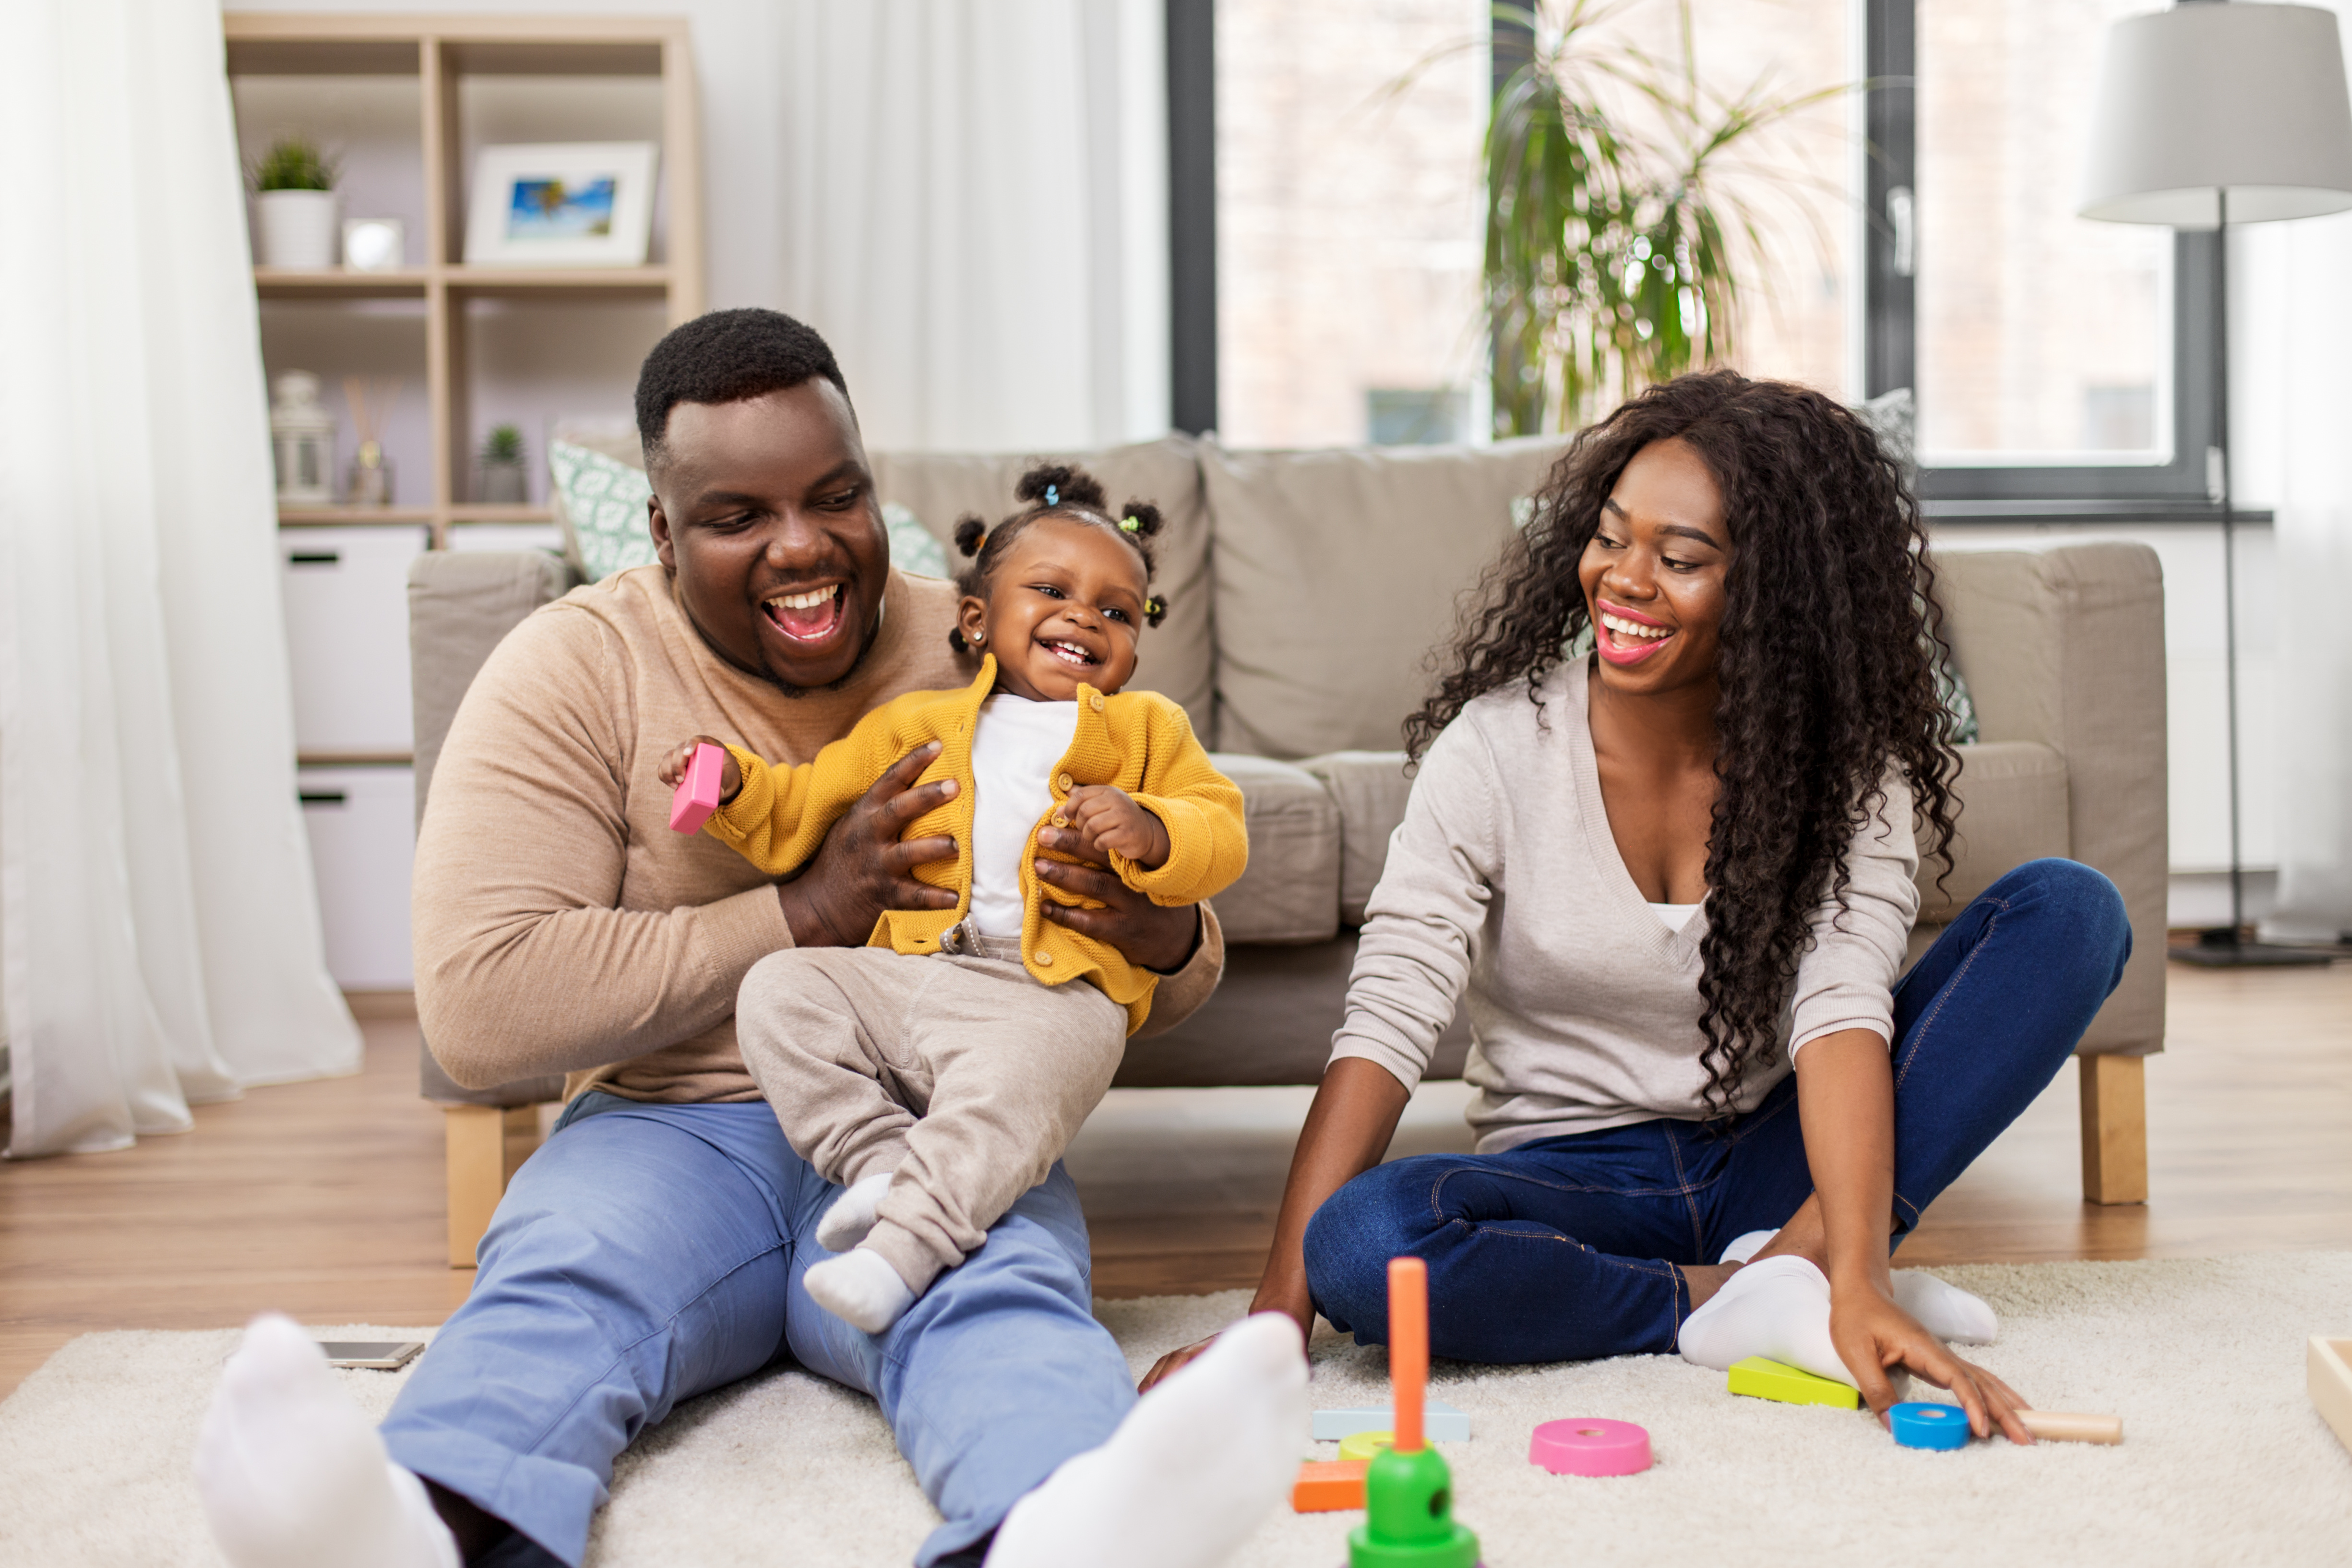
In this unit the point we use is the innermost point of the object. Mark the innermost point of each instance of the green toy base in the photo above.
(1459, 1552)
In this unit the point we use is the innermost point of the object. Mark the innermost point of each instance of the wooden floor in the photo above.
(324, 1199)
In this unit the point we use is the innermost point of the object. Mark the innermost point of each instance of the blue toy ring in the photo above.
(1919, 1426)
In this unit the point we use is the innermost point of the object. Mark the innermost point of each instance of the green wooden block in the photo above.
(1771, 1379)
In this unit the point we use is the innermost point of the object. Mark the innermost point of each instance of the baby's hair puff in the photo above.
(1063, 491)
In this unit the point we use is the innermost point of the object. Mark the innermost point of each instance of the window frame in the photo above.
(1890, 328)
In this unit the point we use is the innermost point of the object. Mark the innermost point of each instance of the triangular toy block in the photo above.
(1440, 1422)
(1771, 1379)
(1323, 1486)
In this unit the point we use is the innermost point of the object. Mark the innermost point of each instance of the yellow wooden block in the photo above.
(2329, 1366)
(1771, 1379)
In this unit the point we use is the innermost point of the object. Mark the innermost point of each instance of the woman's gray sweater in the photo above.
(1504, 883)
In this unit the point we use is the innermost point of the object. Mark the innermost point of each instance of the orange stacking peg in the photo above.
(1407, 1346)
(1408, 1489)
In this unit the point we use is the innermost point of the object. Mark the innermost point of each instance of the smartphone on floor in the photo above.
(382, 1355)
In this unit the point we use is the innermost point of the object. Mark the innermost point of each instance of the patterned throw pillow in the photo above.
(603, 510)
(912, 549)
(604, 513)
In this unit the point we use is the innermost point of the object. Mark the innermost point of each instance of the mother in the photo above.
(1672, 882)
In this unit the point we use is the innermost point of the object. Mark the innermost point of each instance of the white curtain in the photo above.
(159, 928)
(974, 212)
(2291, 323)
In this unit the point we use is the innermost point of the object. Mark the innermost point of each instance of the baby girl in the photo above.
(939, 1072)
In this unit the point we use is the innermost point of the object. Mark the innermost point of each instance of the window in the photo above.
(2055, 360)
(1349, 220)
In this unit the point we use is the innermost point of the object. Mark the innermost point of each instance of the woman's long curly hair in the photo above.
(1828, 666)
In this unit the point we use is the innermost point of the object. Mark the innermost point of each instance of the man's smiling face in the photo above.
(765, 511)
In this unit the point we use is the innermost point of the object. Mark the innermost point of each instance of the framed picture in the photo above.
(563, 203)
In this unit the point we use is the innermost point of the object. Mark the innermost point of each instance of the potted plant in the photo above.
(504, 482)
(294, 187)
(1618, 223)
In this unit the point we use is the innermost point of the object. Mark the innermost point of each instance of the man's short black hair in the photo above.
(726, 357)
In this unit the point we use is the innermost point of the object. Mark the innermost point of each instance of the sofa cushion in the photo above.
(1270, 1021)
(1370, 789)
(1337, 573)
(1176, 655)
(2013, 808)
(1291, 891)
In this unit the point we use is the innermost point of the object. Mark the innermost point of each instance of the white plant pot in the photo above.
(297, 228)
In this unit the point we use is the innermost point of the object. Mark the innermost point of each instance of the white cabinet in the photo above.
(362, 827)
(346, 637)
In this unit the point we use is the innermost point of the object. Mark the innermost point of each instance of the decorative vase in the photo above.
(297, 228)
(504, 484)
(370, 480)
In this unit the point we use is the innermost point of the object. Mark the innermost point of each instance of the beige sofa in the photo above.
(1306, 591)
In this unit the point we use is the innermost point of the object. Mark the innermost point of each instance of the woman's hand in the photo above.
(1146, 934)
(678, 758)
(864, 867)
(1875, 1336)
(1172, 1363)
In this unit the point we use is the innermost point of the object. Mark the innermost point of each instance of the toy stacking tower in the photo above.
(1409, 1490)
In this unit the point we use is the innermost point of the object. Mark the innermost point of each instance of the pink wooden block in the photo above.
(1590, 1447)
(697, 792)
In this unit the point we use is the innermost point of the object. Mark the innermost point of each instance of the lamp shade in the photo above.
(2211, 96)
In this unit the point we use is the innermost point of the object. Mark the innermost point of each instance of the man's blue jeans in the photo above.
(649, 1253)
(1566, 1249)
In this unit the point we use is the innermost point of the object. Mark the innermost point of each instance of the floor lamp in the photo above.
(2211, 114)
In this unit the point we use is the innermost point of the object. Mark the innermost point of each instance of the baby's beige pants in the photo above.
(959, 1072)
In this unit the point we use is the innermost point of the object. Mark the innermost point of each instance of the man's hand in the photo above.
(1873, 1336)
(1107, 819)
(678, 758)
(1148, 936)
(863, 868)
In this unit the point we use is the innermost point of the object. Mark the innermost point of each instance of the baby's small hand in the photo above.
(1108, 818)
(678, 758)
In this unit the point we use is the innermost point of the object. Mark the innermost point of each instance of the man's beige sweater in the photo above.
(560, 926)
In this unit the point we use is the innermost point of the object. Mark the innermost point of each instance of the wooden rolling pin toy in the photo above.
(2058, 1427)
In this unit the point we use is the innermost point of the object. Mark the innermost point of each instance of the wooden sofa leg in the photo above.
(2115, 1130)
(485, 1147)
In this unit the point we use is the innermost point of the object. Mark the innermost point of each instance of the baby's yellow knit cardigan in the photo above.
(1138, 740)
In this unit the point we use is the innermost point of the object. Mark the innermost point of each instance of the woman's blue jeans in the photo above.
(1566, 1249)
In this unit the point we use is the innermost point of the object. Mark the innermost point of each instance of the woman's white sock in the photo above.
(861, 1289)
(852, 1215)
(293, 1475)
(1944, 1311)
(1191, 1472)
(1777, 1309)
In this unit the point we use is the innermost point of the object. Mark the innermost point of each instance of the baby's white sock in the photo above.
(1190, 1473)
(1944, 1311)
(1779, 1309)
(861, 1289)
(852, 1215)
(291, 1474)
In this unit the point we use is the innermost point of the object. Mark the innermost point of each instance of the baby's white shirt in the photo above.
(1015, 749)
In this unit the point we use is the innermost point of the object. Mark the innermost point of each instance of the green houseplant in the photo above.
(504, 481)
(294, 187)
(1616, 232)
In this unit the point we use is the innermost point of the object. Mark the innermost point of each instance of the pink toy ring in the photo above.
(1590, 1447)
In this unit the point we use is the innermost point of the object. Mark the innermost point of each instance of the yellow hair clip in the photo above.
(1130, 525)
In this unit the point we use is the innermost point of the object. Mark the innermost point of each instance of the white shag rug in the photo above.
(2225, 1460)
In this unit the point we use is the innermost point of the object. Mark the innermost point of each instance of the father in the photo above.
(655, 1248)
